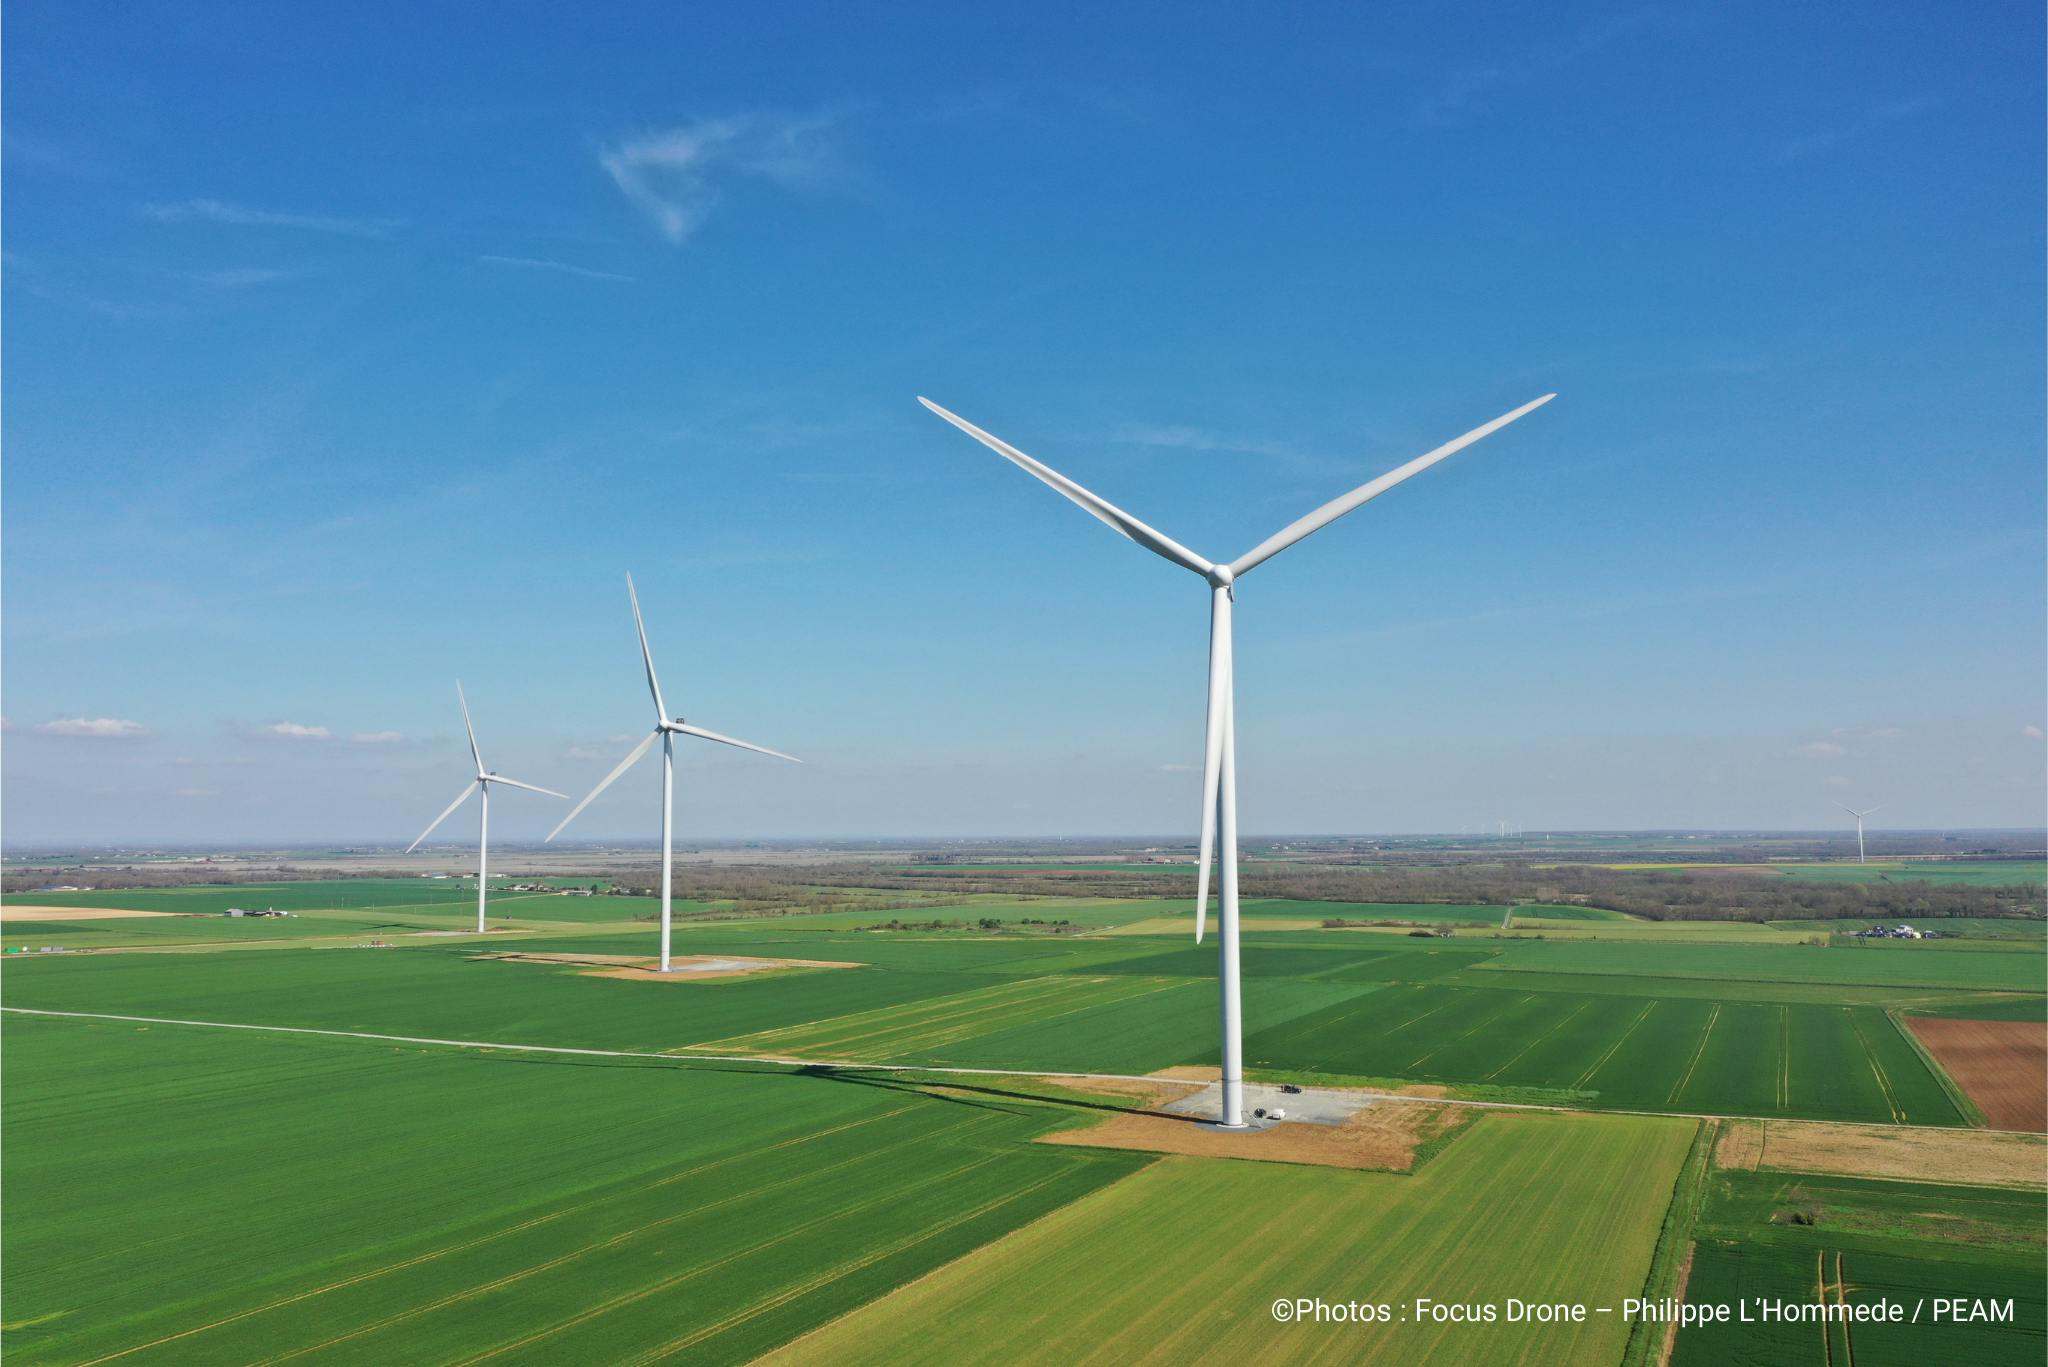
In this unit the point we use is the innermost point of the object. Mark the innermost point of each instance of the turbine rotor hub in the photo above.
(1220, 577)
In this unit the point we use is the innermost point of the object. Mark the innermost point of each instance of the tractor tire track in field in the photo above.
(802, 1230)
(1884, 1083)
(843, 1269)
(1477, 1026)
(636, 1231)
(1785, 1058)
(1615, 1047)
(1567, 1020)
(494, 1235)
(1705, 1035)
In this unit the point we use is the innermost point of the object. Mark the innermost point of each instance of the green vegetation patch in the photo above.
(1805, 1238)
(226, 1196)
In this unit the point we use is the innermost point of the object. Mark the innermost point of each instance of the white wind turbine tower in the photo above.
(666, 729)
(1859, 826)
(480, 784)
(1219, 760)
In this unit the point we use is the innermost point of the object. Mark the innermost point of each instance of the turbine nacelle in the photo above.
(1222, 578)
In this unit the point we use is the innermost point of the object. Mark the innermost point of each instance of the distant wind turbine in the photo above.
(1859, 826)
(1219, 762)
(666, 729)
(480, 784)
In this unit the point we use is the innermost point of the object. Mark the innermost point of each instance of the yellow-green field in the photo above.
(1185, 1259)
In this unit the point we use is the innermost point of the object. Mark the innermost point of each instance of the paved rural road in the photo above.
(844, 1065)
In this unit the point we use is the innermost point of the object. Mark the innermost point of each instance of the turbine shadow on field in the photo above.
(941, 1091)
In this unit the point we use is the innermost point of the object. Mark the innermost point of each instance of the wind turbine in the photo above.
(1219, 751)
(480, 784)
(1859, 826)
(666, 729)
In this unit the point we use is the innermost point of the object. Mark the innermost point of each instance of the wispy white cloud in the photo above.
(675, 175)
(1181, 438)
(291, 730)
(195, 792)
(376, 738)
(1820, 749)
(1828, 139)
(1463, 92)
(242, 216)
(1180, 769)
(605, 749)
(534, 263)
(239, 277)
(99, 728)
(2032, 732)
(1835, 781)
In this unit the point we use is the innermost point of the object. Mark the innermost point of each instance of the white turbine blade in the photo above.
(1365, 493)
(461, 798)
(624, 765)
(474, 753)
(701, 734)
(646, 655)
(1212, 768)
(530, 787)
(1116, 518)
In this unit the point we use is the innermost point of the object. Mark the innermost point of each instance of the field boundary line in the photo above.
(1965, 1107)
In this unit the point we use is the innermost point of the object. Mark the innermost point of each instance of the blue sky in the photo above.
(350, 350)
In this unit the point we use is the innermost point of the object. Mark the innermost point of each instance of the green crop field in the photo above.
(1536, 1017)
(1185, 1258)
(1925, 965)
(1636, 1053)
(1981, 872)
(195, 1195)
(1785, 1236)
(1540, 911)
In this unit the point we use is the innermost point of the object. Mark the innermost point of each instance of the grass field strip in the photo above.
(935, 1022)
(836, 1065)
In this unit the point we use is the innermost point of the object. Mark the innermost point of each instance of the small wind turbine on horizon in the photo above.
(480, 784)
(1859, 825)
(1219, 762)
(666, 729)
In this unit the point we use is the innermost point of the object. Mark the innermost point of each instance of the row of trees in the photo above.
(1695, 894)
